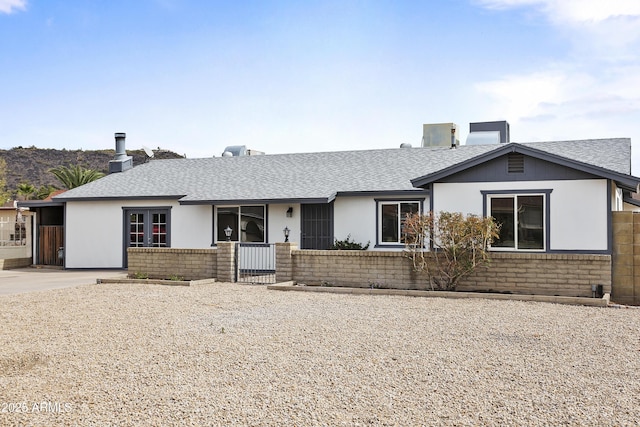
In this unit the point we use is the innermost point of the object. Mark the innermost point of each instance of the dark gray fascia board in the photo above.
(626, 182)
(38, 204)
(100, 199)
(253, 201)
(417, 192)
(631, 200)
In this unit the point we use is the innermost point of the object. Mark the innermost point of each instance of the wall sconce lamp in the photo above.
(286, 234)
(227, 232)
(290, 212)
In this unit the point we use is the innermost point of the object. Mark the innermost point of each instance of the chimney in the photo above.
(121, 162)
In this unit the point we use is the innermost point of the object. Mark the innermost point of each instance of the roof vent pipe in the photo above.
(121, 152)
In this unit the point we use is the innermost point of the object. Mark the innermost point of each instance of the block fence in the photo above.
(626, 258)
(541, 274)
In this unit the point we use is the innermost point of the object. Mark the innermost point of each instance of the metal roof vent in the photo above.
(235, 150)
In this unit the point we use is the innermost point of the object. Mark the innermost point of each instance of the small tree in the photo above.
(45, 191)
(5, 196)
(75, 176)
(458, 245)
(26, 190)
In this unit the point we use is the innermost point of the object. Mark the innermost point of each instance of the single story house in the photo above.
(550, 197)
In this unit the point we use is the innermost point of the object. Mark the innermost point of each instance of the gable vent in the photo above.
(515, 163)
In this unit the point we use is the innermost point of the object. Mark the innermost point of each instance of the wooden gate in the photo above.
(50, 239)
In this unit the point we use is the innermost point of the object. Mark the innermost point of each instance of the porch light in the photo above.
(227, 232)
(286, 234)
(290, 212)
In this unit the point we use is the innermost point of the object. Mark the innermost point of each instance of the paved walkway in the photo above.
(41, 279)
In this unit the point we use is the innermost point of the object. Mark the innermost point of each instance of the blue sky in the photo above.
(195, 76)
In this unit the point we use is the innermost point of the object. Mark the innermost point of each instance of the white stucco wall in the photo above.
(94, 230)
(355, 216)
(578, 218)
(277, 220)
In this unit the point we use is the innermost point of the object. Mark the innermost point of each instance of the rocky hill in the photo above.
(31, 165)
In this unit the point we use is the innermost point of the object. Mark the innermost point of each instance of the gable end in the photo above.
(516, 167)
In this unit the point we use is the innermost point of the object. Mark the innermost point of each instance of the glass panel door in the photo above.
(136, 230)
(146, 228)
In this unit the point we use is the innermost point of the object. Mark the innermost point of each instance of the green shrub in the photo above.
(348, 244)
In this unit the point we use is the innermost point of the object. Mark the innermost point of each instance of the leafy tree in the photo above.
(459, 244)
(75, 176)
(5, 196)
(26, 190)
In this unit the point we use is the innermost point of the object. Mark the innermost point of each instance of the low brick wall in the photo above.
(163, 263)
(542, 274)
(10, 263)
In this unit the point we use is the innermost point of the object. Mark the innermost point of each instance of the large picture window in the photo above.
(391, 216)
(247, 223)
(522, 221)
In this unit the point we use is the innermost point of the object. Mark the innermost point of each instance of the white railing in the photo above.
(13, 231)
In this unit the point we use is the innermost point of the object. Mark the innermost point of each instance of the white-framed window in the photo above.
(522, 218)
(391, 216)
(246, 222)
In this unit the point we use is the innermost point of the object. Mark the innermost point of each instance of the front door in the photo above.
(317, 226)
(146, 228)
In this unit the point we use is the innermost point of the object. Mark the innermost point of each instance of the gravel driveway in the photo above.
(227, 354)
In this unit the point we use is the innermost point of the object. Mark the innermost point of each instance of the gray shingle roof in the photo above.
(317, 176)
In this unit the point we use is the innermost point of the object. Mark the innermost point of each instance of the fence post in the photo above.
(284, 261)
(226, 262)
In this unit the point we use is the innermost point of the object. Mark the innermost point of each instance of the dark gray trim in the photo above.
(64, 238)
(213, 227)
(152, 208)
(39, 204)
(239, 202)
(631, 200)
(395, 193)
(102, 199)
(547, 212)
(609, 218)
(624, 181)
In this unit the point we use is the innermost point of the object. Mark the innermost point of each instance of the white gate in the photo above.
(256, 263)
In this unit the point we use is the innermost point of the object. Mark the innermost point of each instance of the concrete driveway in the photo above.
(41, 279)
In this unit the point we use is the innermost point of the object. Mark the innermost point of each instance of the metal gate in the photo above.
(256, 263)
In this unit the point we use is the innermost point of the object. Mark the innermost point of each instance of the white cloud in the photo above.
(573, 11)
(10, 6)
(593, 92)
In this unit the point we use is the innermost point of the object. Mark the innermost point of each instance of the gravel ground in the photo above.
(226, 354)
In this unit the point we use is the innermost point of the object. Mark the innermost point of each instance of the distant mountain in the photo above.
(31, 165)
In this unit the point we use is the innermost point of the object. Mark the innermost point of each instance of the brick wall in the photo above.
(626, 258)
(544, 274)
(163, 263)
(10, 263)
